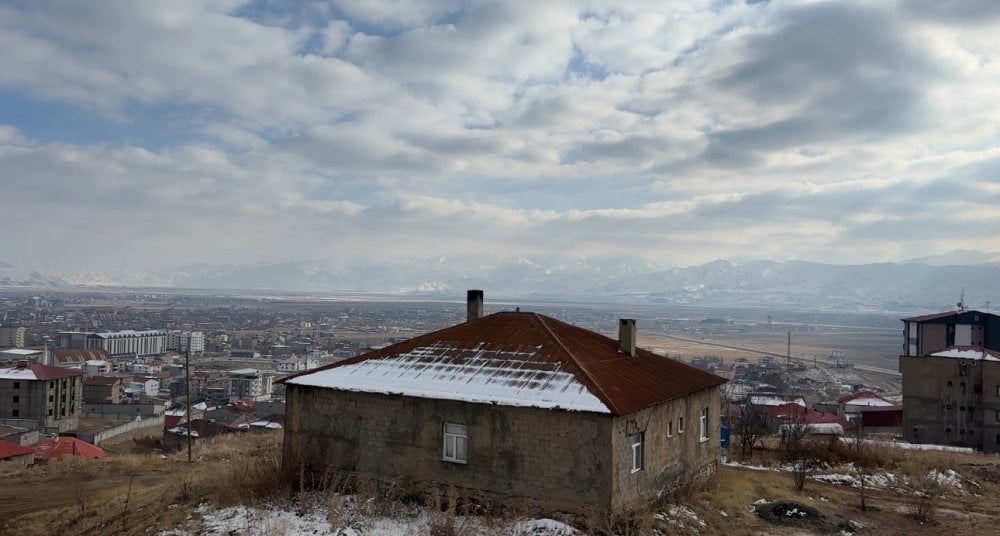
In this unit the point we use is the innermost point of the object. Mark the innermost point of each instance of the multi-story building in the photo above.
(50, 396)
(125, 343)
(103, 390)
(951, 379)
(248, 383)
(11, 337)
(191, 340)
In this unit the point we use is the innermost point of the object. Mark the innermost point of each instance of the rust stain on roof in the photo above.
(624, 384)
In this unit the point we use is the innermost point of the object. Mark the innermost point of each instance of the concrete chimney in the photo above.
(626, 336)
(474, 299)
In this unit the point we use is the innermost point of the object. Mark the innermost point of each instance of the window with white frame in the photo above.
(637, 451)
(456, 441)
(680, 425)
(670, 428)
(703, 424)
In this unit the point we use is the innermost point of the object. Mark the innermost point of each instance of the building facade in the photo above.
(50, 396)
(511, 405)
(951, 379)
(118, 344)
(248, 383)
(12, 337)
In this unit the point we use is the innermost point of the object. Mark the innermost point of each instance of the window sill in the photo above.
(460, 462)
(702, 440)
(634, 471)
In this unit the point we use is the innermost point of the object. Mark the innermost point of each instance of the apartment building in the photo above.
(951, 379)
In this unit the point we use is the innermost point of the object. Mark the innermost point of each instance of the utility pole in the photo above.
(789, 352)
(187, 392)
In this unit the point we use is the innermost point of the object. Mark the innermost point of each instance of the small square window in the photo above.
(950, 384)
(16, 399)
(670, 428)
(50, 412)
(636, 441)
(14, 413)
(456, 443)
(947, 430)
(680, 425)
(17, 385)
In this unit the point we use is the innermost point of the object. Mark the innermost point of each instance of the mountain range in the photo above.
(932, 283)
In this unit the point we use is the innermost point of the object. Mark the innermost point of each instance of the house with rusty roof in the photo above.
(511, 405)
(951, 379)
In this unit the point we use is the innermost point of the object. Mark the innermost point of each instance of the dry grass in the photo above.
(126, 494)
(129, 493)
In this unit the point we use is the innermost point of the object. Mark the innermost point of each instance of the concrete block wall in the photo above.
(668, 460)
(559, 457)
(935, 401)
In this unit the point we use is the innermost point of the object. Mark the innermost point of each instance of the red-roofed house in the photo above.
(14, 453)
(56, 448)
(513, 404)
(851, 406)
(50, 396)
(821, 423)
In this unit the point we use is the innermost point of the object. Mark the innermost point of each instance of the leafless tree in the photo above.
(795, 448)
(750, 423)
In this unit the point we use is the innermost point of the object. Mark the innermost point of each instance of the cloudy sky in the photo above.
(146, 134)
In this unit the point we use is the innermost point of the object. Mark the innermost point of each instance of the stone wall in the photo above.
(557, 457)
(671, 458)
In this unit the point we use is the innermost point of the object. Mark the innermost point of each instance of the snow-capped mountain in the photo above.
(11, 276)
(883, 286)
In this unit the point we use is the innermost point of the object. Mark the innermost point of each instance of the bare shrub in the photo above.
(749, 424)
(926, 490)
(796, 451)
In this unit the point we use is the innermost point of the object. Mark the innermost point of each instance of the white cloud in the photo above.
(678, 132)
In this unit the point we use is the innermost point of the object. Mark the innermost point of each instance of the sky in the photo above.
(136, 135)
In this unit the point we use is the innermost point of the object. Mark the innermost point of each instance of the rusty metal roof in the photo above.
(945, 314)
(79, 355)
(623, 384)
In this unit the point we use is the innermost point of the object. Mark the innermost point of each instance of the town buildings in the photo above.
(951, 379)
(514, 404)
(118, 344)
(12, 337)
(50, 396)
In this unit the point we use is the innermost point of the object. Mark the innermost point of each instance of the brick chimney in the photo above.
(474, 299)
(626, 336)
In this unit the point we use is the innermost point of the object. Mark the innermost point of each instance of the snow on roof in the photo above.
(968, 352)
(35, 372)
(864, 398)
(20, 351)
(772, 400)
(447, 371)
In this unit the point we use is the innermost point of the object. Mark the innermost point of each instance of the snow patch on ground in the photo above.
(268, 521)
(681, 517)
(748, 466)
(947, 478)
